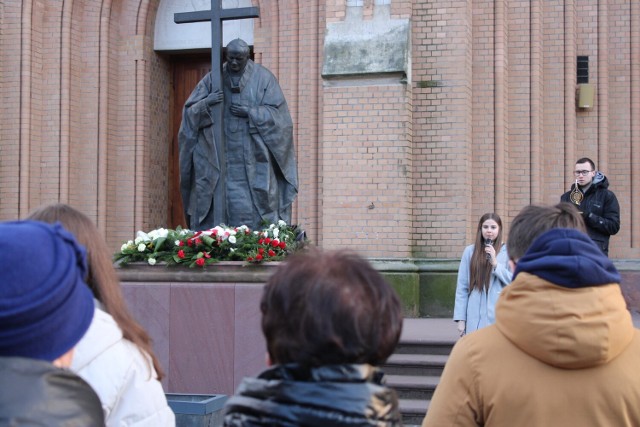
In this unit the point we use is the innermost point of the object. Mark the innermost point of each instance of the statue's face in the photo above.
(236, 59)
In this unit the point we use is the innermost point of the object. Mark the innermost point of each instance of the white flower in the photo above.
(124, 247)
(160, 232)
(151, 261)
(272, 226)
(138, 240)
(142, 247)
(281, 223)
(144, 237)
(265, 234)
(232, 240)
(276, 231)
(232, 250)
(177, 242)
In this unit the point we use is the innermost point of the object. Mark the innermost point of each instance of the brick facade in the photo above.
(393, 166)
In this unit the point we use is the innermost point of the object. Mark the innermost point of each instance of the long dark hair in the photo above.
(102, 277)
(480, 268)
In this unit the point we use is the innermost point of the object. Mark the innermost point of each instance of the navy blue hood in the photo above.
(567, 257)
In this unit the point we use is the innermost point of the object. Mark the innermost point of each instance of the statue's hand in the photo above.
(239, 110)
(215, 97)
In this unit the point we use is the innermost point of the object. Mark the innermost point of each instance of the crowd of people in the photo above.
(546, 338)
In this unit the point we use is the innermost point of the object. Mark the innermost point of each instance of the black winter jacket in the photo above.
(327, 396)
(600, 210)
(36, 393)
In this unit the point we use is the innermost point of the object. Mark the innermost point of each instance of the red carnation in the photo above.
(260, 250)
(200, 262)
(260, 241)
(271, 253)
(180, 253)
(258, 257)
(282, 245)
(275, 243)
(267, 240)
(249, 258)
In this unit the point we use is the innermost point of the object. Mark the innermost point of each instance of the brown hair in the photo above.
(533, 220)
(480, 268)
(329, 308)
(101, 277)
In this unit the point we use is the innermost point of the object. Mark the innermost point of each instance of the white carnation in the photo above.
(151, 261)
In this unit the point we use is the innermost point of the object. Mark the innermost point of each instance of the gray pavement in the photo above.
(444, 329)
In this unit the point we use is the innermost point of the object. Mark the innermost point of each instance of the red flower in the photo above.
(267, 240)
(189, 242)
(198, 241)
(258, 257)
(180, 253)
(260, 241)
(271, 253)
(260, 251)
(275, 243)
(181, 243)
(282, 245)
(200, 262)
(214, 231)
(249, 258)
(206, 255)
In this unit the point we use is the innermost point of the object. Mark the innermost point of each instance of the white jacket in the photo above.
(131, 395)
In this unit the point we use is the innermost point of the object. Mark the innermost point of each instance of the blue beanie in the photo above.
(567, 257)
(45, 305)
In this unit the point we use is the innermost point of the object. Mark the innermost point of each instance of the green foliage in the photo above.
(202, 248)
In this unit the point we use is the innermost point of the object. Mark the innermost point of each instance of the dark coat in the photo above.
(600, 210)
(337, 395)
(34, 392)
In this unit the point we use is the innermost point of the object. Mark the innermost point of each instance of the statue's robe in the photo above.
(201, 185)
(261, 173)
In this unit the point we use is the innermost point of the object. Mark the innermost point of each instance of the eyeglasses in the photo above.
(583, 173)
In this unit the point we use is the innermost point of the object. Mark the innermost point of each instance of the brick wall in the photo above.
(485, 122)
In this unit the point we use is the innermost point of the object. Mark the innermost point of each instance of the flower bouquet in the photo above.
(221, 243)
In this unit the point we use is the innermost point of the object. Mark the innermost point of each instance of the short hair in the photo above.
(324, 308)
(587, 160)
(239, 44)
(533, 220)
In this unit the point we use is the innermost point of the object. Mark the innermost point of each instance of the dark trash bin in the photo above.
(197, 410)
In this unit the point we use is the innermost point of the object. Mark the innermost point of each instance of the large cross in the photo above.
(216, 15)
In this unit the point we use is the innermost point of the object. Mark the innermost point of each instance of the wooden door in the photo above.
(187, 72)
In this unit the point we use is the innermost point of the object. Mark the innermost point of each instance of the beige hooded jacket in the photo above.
(555, 357)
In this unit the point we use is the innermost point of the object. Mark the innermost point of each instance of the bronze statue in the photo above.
(251, 177)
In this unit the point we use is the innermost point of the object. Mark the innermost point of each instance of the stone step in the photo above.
(413, 411)
(415, 364)
(425, 347)
(413, 387)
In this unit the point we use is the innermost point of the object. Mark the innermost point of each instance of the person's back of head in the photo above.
(330, 308)
(101, 277)
(45, 309)
(533, 220)
(45, 305)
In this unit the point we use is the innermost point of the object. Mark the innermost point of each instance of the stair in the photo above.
(415, 367)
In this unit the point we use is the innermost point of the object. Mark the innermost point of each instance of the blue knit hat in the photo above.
(45, 305)
(569, 258)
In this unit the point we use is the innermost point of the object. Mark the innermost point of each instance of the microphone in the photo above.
(488, 242)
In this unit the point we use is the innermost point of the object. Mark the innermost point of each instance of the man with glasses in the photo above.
(598, 205)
